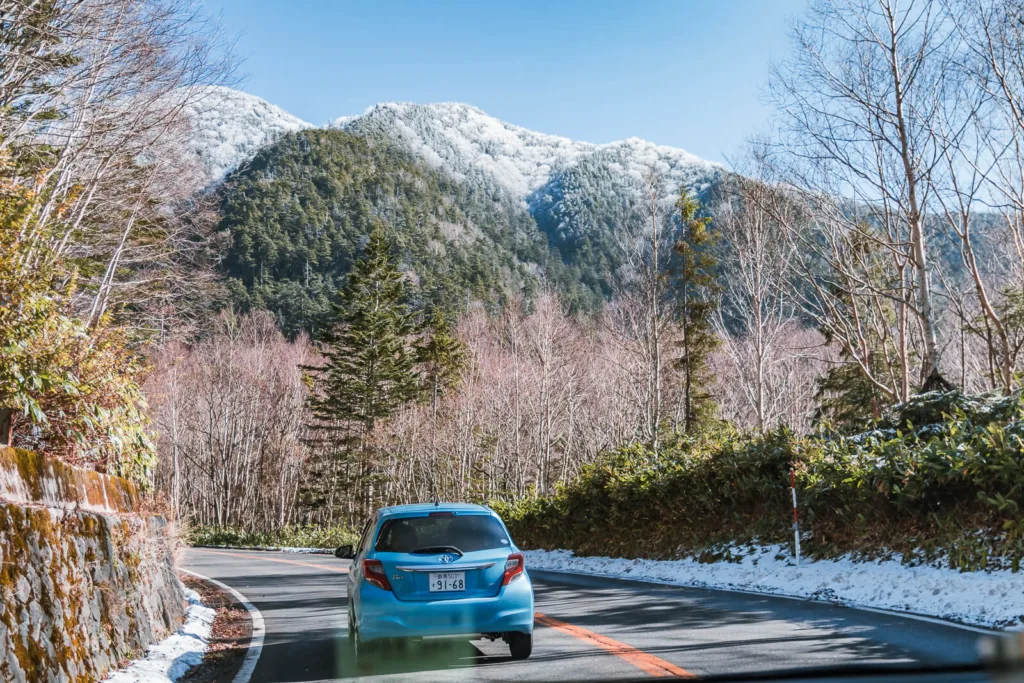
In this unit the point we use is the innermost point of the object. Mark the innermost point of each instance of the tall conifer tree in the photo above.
(699, 294)
(369, 370)
(442, 357)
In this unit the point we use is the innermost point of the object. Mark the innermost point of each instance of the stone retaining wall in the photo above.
(27, 477)
(80, 591)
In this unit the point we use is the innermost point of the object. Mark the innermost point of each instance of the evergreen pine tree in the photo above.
(442, 358)
(699, 292)
(847, 400)
(369, 370)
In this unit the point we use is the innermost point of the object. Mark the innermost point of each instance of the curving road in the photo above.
(588, 629)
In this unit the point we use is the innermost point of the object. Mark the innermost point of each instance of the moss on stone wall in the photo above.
(81, 592)
(27, 477)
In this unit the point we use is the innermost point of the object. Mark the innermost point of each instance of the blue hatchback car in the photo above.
(438, 569)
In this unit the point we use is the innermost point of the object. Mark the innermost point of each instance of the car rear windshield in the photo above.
(468, 533)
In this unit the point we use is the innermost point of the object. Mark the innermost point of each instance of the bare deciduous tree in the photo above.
(643, 320)
(758, 313)
(984, 173)
(105, 84)
(860, 101)
(230, 414)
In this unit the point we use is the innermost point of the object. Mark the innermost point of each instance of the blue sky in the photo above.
(677, 72)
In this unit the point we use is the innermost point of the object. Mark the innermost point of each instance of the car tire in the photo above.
(359, 649)
(520, 645)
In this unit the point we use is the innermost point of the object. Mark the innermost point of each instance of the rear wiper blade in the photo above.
(436, 549)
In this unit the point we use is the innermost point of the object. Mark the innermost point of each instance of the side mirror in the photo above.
(345, 552)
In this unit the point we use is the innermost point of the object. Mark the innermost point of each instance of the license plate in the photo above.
(447, 581)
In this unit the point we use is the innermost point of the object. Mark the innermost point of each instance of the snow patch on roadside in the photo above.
(993, 599)
(172, 657)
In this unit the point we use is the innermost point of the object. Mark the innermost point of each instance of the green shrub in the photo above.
(309, 536)
(948, 491)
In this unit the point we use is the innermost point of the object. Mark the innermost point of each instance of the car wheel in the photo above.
(520, 645)
(359, 649)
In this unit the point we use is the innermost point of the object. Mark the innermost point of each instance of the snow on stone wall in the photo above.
(81, 590)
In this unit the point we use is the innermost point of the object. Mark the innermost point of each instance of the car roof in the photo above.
(416, 508)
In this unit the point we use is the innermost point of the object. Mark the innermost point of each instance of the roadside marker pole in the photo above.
(796, 518)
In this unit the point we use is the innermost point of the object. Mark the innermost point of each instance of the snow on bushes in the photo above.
(940, 480)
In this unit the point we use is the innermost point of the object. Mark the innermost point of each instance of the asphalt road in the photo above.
(587, 629)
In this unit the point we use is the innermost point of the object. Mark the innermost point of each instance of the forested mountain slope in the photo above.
(481, 208)
(298, 213)
(580, 194)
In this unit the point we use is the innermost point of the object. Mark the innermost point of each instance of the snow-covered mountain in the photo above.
(230, 126)
(470, 145)
(579, 194)
(544, 207)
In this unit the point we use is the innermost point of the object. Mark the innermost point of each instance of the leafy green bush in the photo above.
(940, 408)
(948, 491)
(309, 536)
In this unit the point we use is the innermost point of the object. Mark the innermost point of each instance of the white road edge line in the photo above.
(252, 654)
(850, 605)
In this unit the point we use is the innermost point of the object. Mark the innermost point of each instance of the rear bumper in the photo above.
(381, 615)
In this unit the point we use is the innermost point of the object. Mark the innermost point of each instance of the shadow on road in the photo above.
(757, 632)
(307, 635)
(322, 655)
(418, 656)
(307, 639)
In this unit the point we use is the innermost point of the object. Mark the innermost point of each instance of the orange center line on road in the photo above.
(340, 570)
(648, 663)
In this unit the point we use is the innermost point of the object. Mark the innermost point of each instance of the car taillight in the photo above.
(513, 568)
(373, 572)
